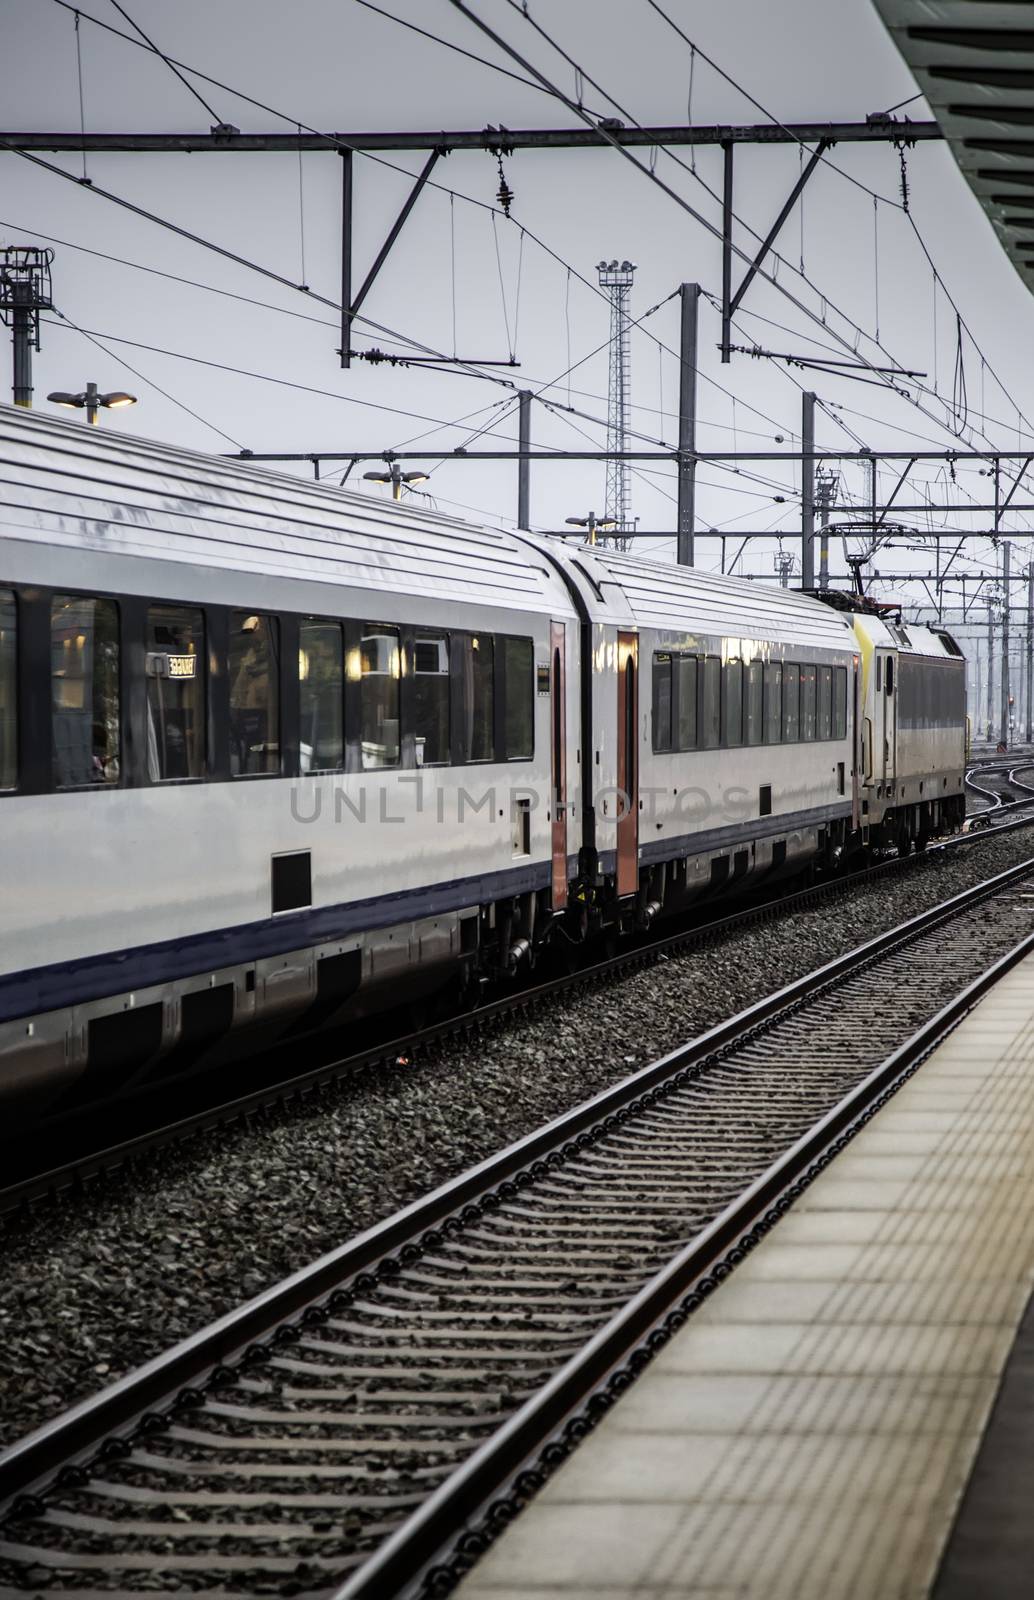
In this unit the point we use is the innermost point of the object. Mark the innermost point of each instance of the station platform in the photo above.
(851, 1414)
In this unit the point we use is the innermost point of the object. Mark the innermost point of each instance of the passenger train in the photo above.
(274, 755)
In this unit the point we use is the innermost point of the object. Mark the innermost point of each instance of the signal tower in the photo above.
(616, 278)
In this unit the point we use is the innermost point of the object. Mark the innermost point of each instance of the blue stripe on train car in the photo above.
(693, 844)
(66, 983)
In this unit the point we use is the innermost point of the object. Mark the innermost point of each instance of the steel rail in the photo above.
(106, 1425)
(480, 1498)
(983, 819)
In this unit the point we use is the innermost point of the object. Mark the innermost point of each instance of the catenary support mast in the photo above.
(1004, 675)
(687, 471)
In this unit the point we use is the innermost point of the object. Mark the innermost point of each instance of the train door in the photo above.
(858, 722)
(558, 764)
(890, 719)
(628, 763)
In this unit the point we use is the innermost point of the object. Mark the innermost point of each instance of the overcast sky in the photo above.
(458, 273)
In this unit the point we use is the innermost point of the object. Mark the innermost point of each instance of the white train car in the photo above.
(720, 728)
(261, 744)
(275, 755)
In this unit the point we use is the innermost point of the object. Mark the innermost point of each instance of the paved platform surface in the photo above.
(810, 1433)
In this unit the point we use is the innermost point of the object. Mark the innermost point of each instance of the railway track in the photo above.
(996, 802)
(59, 1164)
(368, 1426)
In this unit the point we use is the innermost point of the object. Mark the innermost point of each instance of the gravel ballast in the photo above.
(94, 1286)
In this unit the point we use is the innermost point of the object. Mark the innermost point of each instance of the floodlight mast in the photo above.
(615, 278)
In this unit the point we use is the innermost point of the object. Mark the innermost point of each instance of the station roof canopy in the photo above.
(974, 62)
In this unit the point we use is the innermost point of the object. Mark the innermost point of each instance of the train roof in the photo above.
(63, 483)
(687, 600)
(67, 485)
(910, 638)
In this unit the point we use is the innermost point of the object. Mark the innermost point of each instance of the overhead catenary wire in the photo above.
(334, 142)
(685, 205)
(438, 423)
(265, 377)
(169, 63)
(217, 249)
(772, 277)
(301, 218)
(825, 159)
(769, 115)
(121, 361)
(719, 386)
(82, 101)
(447, 44)
(752, 99)
(905, 207)
(469, 369)
(283, 382)
(502, 288)
(660, 348)
(262, 377)
(452, 264)
(832, 411)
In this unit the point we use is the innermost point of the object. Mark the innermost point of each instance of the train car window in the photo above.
(8, 691)
(429, 701)
(710, 704)
(479, 698)
(254, 694)
(321, 695)
(380, 669)
(754, 729)
(84, 675)
(890, 674)
(879, 667)
(662, 676)
(732, 704)
(774, 702)
(686, 700)
(808, 696)
(840, 703)
(519, 671)
(791, 702)
(175, 693)
(824, 704)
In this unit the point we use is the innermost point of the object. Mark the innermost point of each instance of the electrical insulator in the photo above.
(504, 194)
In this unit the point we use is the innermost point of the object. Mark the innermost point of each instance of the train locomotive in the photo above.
(275, 756)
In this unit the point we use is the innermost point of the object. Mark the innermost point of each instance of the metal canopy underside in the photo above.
(974, 62)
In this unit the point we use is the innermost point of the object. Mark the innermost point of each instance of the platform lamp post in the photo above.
(91, 401)
(398, 479)
(592, 525)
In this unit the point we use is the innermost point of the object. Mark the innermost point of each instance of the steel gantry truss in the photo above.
(817, 138)
(814, 139)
